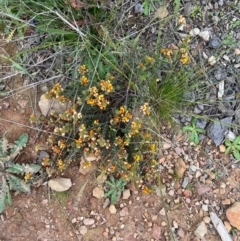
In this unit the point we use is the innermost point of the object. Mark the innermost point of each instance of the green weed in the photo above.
(11, 171)
(234, 147)
(194, 131)
(115, 188)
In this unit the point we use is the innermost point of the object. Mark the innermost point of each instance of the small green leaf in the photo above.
(228, 143)
(193, 121)
(15, 168)
(32, 168)
(237, 147)
(18, 184)
(236, 154)
(200, 130)
(3, 194)
(192, 137)
(236, 140)
(228, 150)
(187, 128)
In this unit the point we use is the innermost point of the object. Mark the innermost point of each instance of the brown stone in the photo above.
(180, 167)
(233, 214)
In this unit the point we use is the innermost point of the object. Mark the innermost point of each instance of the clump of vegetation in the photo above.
(115, 188)
(234, 147)
(117, 89)
(194, 131)
(14, 176)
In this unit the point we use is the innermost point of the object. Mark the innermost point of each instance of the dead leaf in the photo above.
(161, 13)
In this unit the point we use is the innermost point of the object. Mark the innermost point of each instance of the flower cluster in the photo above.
(121, 115)
(81, 136)
(56, 92)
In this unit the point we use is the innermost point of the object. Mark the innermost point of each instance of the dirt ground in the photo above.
(75, 215)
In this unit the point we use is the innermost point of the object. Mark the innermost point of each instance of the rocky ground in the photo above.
(181, 208)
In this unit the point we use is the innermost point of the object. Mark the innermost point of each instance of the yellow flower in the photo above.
(60, 164)
(121, 110)
(27, 176)
(87, 164)
(181, 20)
(146, 190)
(56, 149)
(106, 85)
(150, 60)
(91, 101)
(137, 157)
(62, 144)
(145, 109)
(84, 80)
(93, 91)
(83, 69)
(45, 162)
(167, 52)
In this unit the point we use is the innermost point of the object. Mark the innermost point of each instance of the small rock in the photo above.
(180, 233)
(112, 209)
(166, 145)
(205, 35)
(207, 219)
(60, 184)
(98, 192)
(215, 20)
(162, 212)
(227, 226)
(222, 148)
(4, 105)
(156, 232)
(83, 230)
(126, 194)
(161, 12)
(214, 42)
(202, 189)
(233, 214)
(212, 60)
(175, 224)
(124, 212)
(106, 203)
(185, 182)
(187, 193)
(193, 168)
(205, 208)
(49, 106)
(180, 167)
(74, 220)
(220, 3)
(194, 32)
(216, 130)
(163, 224)
(88, 221)
(237, 51)
(138, 8)
(171, 193)
(220, 74)
(201, 230)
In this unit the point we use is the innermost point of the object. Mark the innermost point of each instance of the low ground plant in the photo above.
(115, 87)
(14, 176)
